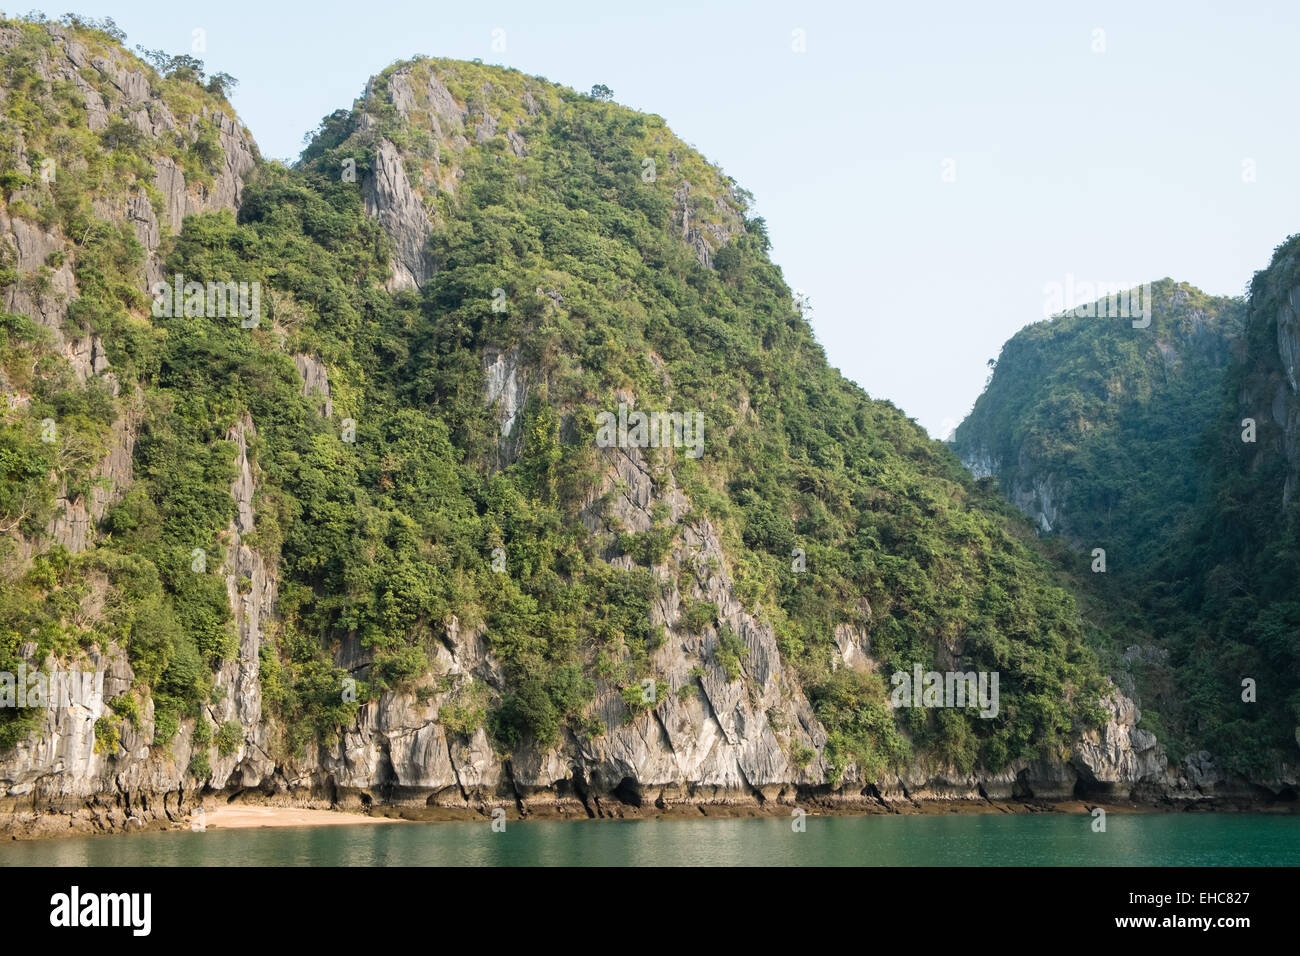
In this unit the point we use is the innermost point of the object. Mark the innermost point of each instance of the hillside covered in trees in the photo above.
(358, 536)
(1171, 448)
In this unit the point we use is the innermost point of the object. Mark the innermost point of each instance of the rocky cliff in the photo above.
(1078, 419)
(86, 84)
(1172, 449)
(1268, 384)
(528, 234)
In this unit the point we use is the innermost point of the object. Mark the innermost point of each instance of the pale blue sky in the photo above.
(1108, 166)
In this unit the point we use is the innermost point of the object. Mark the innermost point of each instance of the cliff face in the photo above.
(444, 133)
(94, 85)
(94, 98)
(709, 739)
(86, 84)
(1284, 408)
(1269, 383)
(1173, 448)
(1242, 558)
(530, 236)
(1078, 420)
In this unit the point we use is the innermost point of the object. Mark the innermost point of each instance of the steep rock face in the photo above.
(251, 590)
(398, 751)
(47, 303)
(62, 768)
(64, 780)
(390, 199)
(1119, 755)
(1288, 336)
(1081, 419)
(708, 730)
(1285, 406)
(1269, 380)
(74, 525)
(389, 193)
(425, 97)
(717, 736)
(103, 89)
(315, 383)
(706, 733)
(448, 119)
(112, 87)
(702, 738)
(1245, 552)
(1041, 500)
(1068, 391)
(62, 756)
(705, 235)
(123, 89)
(980, 463)
(1037, 495)
(506, 386)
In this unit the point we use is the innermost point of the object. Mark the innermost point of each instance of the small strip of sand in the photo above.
(246, 816)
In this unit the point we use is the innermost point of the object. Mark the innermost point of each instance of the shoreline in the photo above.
(254, 815)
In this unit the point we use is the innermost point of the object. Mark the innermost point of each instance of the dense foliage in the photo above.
(56, 174)
(1229, 588)
(1110, 417)
(1139, 433)
(388, 538)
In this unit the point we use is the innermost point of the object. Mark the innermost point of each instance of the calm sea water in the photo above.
(967, 840)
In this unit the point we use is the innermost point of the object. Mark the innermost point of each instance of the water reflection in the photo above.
(954, 840)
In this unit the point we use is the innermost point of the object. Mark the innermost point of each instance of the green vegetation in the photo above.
(169, 621)
(106, 736)
(229, 737)
(165, 728)
(126, 706)
(1228, 591)
(200, 764)
(385, 539)
(464, 717)
(802, 755)
(1139, 433)
(731, 648)
(1110, 417)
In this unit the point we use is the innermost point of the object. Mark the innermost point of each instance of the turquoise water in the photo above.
(966, 840)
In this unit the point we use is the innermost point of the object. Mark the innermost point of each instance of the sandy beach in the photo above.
(246, 816)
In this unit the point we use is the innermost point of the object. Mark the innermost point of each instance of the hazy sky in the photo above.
(1114, 156)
